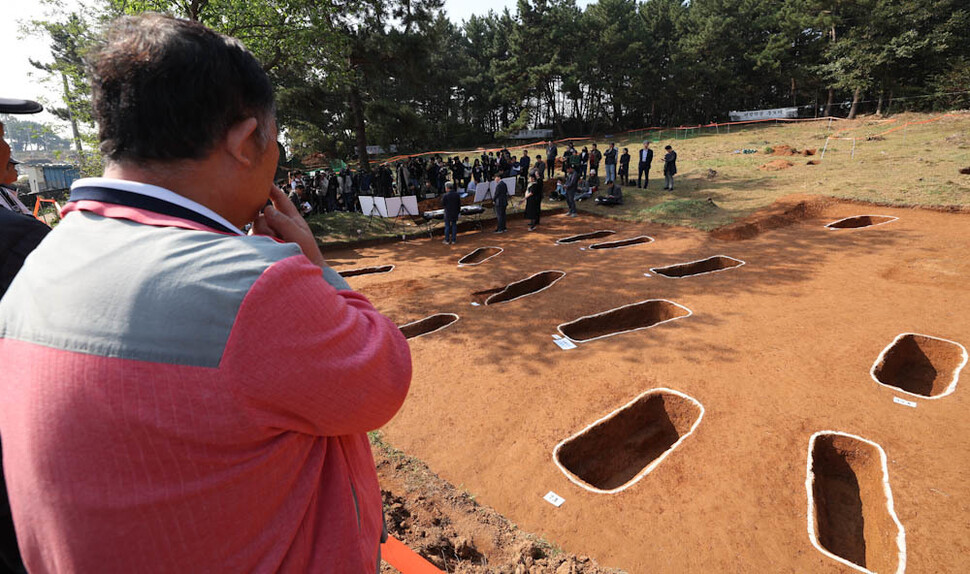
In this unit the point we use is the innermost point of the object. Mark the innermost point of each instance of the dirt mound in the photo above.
(812, 162)
(808, 152)
(455, 533)
(776, 165)
(784, 150)
(965, 171)
(783, 213)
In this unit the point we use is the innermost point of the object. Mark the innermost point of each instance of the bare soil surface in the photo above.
(776, 350)
(450, 529)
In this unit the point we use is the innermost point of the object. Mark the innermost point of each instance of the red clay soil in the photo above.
(851, 518)
(788, 211)
(920, 365)
(776, 350)
(615, 451)
(454, 532)
(776, 165)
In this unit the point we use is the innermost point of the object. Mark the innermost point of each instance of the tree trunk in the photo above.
(793, 102)
(829, 102)
(879, 103)
(856, 96)
(70, 115)
(357, 111)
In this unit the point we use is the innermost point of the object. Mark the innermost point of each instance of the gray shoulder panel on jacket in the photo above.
(115, 288)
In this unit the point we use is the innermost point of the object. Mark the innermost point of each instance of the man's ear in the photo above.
(241, 141)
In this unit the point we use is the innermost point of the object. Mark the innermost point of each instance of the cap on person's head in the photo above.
(9, 106)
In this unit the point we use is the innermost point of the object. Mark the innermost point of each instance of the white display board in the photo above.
(487, 189)
(388, 206)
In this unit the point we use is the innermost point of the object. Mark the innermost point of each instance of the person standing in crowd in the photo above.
(524, 163)
(466, 172)
(552, 152)
(478, 172)
(567, 157)
(540, 170)
(179, 396)
(571, 186)
(20, 234)
(533, 201)
(500, 197)
(670, 167)
(646, 158)
(451, 201)
(609, 160)
(625, 167)
(595, 157)
(583, 166)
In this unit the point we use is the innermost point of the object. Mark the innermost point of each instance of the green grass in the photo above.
(916, 166)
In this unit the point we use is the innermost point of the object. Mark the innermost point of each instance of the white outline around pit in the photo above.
(560, 326)
(500, 250)
(655, 271)
(647, 469)
(457, 318)
(526, 279)
(574, 240)
(370, 267)
(594, 248)
(827, 225)
(887, 490)
(949, 389)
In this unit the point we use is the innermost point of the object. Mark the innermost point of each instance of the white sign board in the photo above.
(763, 114)
(554, 499)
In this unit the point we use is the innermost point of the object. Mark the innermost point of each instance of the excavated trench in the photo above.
(633, 317)
(428, 325)
(585, 236)
(519, 289)
(480, 255)
(366, 271)
(622, 242)
(860, 221)
(851, 513)
(920, 365)
(621, 448)
(709, 265)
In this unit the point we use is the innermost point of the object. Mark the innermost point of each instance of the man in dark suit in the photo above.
(646, 158)
(571, 186)
(451, 201)
(501, 199)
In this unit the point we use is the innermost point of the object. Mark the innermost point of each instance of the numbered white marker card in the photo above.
(647, 275)
(564, 344)
(900, 401)
(554, 499)
(474, 304)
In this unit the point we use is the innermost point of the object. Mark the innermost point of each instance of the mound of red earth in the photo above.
(456, 534)
(783, 213)
(776, 165)
(786, 150)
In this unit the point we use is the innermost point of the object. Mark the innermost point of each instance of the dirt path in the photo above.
(775, 350)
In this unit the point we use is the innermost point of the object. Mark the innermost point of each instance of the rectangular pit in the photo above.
(859, 221)
(366, 271)
(699, 267)
(639, 240)
(428, 325)
(519, 289)
(920, 365)
(851, 517)
(585, 236)
(618, 450)
(479, 256)
(633, 317)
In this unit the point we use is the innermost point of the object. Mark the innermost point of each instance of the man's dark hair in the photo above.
(169, 89)
(668, 147)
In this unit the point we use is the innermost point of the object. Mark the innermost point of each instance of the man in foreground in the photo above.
(646, 159)
(501, 200)
(571, 186)
(177, 396)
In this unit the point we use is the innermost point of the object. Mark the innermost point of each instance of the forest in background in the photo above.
(399, 73)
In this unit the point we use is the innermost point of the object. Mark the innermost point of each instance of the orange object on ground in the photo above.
(395, 553)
